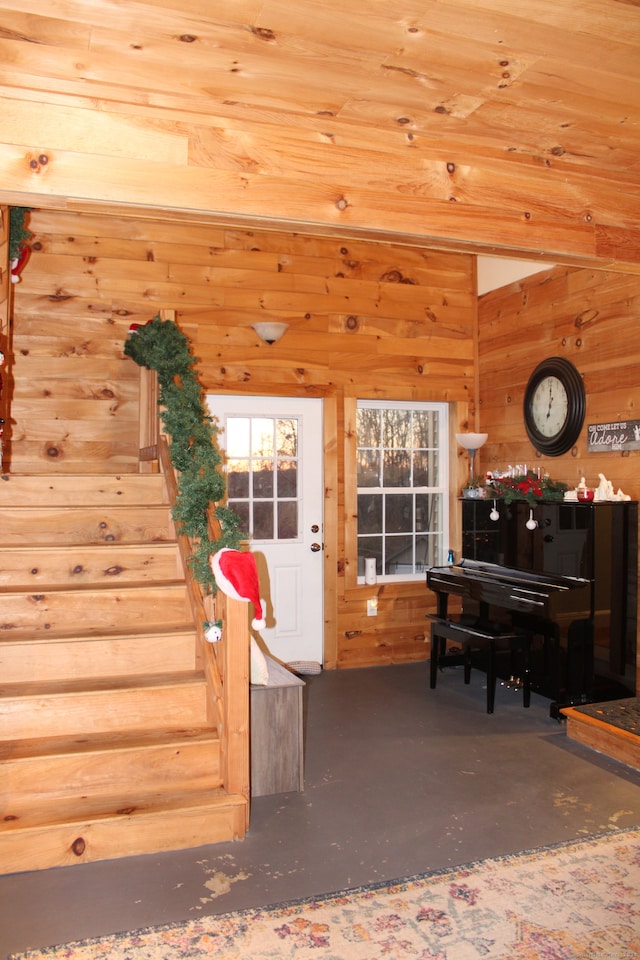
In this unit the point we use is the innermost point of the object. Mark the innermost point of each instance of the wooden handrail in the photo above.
(226, 663)
(195, 593)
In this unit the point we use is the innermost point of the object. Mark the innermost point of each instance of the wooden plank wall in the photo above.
(590, 317)
(369, 320)
(5, 317)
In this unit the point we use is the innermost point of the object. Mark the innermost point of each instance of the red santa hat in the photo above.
(237, 576)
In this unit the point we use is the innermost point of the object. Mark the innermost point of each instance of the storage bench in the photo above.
(276, 718)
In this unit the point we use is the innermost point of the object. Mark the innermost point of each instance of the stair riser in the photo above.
(28, 568)
(125, 836)
(22, 491)
(48, 660)
(21, 526)
(70, 714)
(117, 609)
(165, 768)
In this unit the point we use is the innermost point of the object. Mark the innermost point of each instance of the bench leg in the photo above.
(435, 658)
(467, 662)
(491, 677)
(526, 683)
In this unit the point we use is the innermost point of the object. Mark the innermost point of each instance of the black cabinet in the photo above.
(595, 541)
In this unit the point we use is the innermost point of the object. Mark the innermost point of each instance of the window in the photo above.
(262, 476)
(402, 480)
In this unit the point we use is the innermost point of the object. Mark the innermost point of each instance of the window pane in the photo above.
(425, 468)
(369, 547)
(263, 479)
(262, 437)
(238, 434)
(396, 469)
(287, 438)
(425, 428)
(287, 478)
(369, 513)
(427, 552)
(288, 520)
(241, 509)
(398, 513)
(263, 520)
(399, 555)
(238, 478)
(368, 468)
(368, 427)
(396, 428)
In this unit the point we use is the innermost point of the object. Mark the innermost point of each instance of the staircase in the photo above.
(107, 746)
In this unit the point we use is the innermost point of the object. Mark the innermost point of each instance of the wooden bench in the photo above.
(277, 735)
(476, 636)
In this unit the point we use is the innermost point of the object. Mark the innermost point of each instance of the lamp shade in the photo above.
(270, 332)
(472, 441)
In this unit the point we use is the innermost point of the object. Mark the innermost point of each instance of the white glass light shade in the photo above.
(270, 332)
(472, 441)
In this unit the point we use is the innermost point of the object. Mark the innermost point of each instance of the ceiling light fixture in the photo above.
(270, 332)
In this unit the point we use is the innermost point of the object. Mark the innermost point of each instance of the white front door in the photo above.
(273, 462)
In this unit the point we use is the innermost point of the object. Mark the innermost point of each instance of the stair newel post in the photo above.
(235, 743)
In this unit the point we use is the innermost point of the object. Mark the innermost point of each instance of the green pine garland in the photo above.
(18, 233)
(160, 346)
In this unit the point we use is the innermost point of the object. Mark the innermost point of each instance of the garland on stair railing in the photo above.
(18, 230)
(160, 346)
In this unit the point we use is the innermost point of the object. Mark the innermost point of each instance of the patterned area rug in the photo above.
(573, 901)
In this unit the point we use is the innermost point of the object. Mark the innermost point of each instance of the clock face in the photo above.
(554, 406)
(549, 406)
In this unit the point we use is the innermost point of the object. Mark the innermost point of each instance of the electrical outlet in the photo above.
(372, 607)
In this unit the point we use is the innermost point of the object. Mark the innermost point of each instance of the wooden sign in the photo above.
(603, 437)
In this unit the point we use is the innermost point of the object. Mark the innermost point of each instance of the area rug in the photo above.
(574, 901)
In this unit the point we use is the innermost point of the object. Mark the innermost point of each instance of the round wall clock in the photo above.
(554, 406)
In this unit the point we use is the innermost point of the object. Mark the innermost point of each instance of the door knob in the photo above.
(315, 547)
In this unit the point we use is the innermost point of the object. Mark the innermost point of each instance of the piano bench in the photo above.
(472, 637)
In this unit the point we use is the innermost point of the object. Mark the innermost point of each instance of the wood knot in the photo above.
(78, 846)
(263, 33)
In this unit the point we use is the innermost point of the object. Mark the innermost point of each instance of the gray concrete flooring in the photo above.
(399, 779)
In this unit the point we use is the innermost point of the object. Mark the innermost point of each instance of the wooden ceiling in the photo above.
(482, 125)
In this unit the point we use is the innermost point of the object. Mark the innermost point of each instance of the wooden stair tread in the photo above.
(15, 751)
(92, 587)
(84, 810)
(81, 635)
(100, 684)
(87, 489)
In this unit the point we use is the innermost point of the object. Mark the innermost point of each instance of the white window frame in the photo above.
(441, 488)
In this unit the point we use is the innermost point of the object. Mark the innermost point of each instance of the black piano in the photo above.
(572, 582)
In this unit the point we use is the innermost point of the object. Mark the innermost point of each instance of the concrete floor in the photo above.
(399, 779)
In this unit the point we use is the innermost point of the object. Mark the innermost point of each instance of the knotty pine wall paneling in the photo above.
(366, 320)
(591, 318)
(5, 339)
